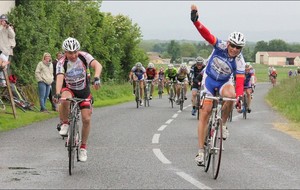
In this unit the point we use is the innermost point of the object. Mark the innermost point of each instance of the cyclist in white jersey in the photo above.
(72, 81)
(225, 60)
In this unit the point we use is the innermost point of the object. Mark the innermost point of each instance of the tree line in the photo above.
(41, 26)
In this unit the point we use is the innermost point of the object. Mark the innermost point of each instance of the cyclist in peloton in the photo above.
(161, 77)
(151, 75)
(170, 75)
(72, 81)
(196, 74)
(138, 73)
(182, 76)
(248, 84)
(226, 59)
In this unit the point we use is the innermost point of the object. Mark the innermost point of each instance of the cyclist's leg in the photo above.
(141, 89)
(64, 107)
(185, 86)
(167, 86)
(227, 90)
(248, 92)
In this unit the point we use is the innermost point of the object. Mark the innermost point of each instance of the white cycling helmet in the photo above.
(71, 44)
(237, 39)
(151, 65)
(183, 66)
(170, 66)
(138, 65)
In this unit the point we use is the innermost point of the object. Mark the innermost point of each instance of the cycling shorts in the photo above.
(80, 94)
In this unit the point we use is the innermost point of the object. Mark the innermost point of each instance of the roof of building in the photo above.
(282, 54)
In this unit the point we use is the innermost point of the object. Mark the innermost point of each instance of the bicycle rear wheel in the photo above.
(71, 144)
(198, 105)
(217, 148)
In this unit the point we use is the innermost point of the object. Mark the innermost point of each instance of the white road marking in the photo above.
(192, 180)
(155, 138)
(169, 121)
(160, 156)
(162, 127)
(175, 115)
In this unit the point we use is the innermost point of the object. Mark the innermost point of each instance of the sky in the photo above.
(170, 20)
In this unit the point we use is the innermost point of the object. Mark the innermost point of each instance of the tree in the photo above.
(174, 50)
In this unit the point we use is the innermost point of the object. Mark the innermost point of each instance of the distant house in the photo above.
(278, 58)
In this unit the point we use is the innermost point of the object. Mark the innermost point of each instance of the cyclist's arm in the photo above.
(97, 67)
(59, 82)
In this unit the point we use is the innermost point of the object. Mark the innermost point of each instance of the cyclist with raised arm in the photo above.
(151, 75)
(196, 75)
(248, 84)
(225, 60)
(72, 81)
(182, 76)
(170, 75)
(138, 74)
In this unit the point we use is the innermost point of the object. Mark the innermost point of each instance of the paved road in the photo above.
(153, 148)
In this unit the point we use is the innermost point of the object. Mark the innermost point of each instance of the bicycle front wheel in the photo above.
(207, 147)
(71, 144)
(171, 97)
(245, 107)
(217, 148)
(181, 100)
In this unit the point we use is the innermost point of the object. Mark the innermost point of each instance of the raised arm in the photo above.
(205, 33)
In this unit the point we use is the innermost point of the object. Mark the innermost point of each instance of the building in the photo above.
(6, 6)
(278, 58)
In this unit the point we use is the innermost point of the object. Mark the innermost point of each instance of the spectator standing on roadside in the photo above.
(53, 85)
(44, 77)
(7, 39)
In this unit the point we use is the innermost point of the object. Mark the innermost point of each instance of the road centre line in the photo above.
(169, 121)
(192, 180)
(155, 139)
(175, 115)
(162, 127)
(160, 156)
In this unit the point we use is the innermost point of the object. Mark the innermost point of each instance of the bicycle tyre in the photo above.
(181, 99)
(230, 116)
(171, 97)
(137, 95)
(71, 144)
(245, 107)
(207, 147)
(159, 91)
(198, 105)
(217, 149)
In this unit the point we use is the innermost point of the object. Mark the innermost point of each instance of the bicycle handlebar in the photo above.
(220, 98)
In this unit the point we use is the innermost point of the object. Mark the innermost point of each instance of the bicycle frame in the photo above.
(214, 140)
(74, 137)
(181, 98)
(148, 84)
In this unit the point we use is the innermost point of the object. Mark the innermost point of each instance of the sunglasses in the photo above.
(235, 46)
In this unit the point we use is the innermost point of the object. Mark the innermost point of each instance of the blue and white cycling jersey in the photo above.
(220, 67)
(139, 72)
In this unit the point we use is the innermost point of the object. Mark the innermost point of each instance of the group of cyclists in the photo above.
(214, 75)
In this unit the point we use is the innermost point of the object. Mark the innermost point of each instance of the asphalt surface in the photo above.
(153, 148)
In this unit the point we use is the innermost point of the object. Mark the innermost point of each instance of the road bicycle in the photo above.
(244, 104)
(172, 93)
(214, 139)
(273, 80)
(74, 136)
(198, 99)
(137, 93)
(147, 91)
(2, 105)
(181, 95)
(160, 88)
